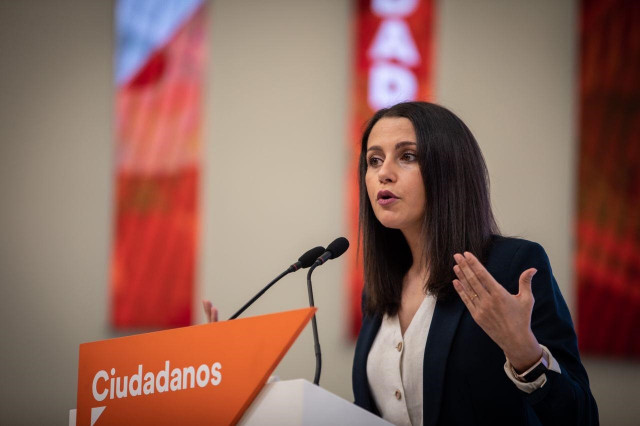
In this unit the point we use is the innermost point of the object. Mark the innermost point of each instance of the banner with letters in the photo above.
(203, 374)
(159, 72)
(393, 57)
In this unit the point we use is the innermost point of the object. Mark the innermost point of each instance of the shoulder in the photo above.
(508, 257)
(504, 247)
(506, 250)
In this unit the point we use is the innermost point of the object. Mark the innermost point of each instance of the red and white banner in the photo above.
(393, 63)
(160, 71)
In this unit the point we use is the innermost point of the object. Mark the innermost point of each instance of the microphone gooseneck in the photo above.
(304, 261)
(314, 326)
(260, 293)
(335, 249)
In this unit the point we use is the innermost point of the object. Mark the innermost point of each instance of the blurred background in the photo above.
(274, 160)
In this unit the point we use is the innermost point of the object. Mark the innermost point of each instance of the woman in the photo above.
(456, 329)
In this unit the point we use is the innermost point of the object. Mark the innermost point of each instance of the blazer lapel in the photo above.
(362, 392)
(443, 327)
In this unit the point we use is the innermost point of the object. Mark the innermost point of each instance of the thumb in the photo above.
(525, 281)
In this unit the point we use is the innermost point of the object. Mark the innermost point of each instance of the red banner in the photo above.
(608, 213)
(158, 128)
(393, 63)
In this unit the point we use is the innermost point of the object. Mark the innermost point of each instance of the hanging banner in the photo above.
(160, 55)
(608, 212)
(392, 63)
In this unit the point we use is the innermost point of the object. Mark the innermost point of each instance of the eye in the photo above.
(374, 161)
(408, 156)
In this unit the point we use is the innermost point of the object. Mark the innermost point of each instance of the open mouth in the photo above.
(386, 197)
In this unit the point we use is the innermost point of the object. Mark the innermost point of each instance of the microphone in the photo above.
(307, 259)
(304, 261)
(335, 249)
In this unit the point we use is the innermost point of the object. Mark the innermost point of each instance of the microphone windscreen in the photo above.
(338, 247)
(310, 256)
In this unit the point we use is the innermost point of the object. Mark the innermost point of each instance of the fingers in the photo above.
(210, 311)
(468, 301)
(207, 305)
(468, 277)
(214, 314)
(525, 281)
(487, 280)
(464, 285)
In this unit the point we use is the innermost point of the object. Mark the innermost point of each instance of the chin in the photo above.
(390, 222)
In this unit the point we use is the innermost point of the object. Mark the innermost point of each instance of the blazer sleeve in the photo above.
(566, 398)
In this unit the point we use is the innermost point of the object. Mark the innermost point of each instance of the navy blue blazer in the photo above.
(464, 382)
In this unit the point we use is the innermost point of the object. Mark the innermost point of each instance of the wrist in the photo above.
(525, 354)
(534, 372)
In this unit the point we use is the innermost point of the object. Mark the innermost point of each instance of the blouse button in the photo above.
(399, 346)
(398, 395)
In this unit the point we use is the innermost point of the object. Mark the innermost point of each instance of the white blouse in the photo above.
(394, 366)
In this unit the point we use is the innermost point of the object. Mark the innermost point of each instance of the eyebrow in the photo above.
(398, 146)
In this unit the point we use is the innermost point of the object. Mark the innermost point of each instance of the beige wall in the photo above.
(275, 163)
(55, 186)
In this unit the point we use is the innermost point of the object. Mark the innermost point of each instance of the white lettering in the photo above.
(394, 41)
(102, 395)
(146, 383)
(188, 371)
(202, 382)
(176, 379)
(216, 375)
(136, 378)
(395, 8)
(121, 393)
(390, 84)
(113, 373)
(164, 374)
(149, 381)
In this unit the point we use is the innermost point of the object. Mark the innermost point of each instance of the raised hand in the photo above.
(506, 318)
(210, 311)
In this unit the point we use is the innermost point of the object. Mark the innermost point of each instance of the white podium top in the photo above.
(299, 402)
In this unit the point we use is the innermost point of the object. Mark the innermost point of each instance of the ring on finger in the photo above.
(474, 296)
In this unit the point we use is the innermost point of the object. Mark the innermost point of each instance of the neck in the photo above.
(416, 245)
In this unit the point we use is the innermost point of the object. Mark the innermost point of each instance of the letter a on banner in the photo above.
(392, 63)
(159, 79)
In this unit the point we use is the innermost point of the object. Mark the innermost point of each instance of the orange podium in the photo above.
(203, 374)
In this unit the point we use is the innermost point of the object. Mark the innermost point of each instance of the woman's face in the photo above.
(393, 178)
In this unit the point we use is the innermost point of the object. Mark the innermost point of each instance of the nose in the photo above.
(386, 172)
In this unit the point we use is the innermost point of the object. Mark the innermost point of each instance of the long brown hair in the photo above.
(458, 214)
